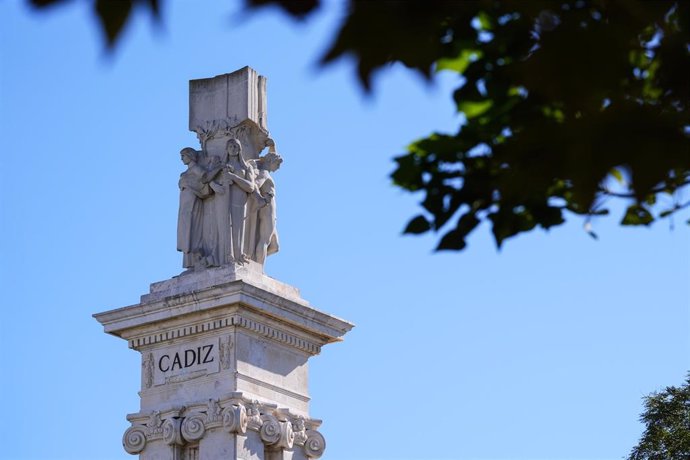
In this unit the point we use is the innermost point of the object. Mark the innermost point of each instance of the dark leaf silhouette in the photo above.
(567, 104)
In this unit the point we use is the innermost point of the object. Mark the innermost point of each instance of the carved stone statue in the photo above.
(227, 211)
(227, 208)
(263, 240)
(192, 191)
(216, 216)
(242, 184)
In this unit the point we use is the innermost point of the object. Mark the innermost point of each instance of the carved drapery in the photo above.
(227, 197)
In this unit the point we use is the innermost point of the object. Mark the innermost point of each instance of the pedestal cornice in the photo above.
(243, 303)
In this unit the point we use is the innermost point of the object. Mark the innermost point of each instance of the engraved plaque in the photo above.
(185, 362)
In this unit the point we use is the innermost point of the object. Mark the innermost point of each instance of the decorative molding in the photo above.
(171, 432)
(315, 445)
(147, 365)
(278, 429)
(300, 430)
(226, 352)
(183, 331)
(193, 427)
(237, 320)
(276, 334)
(213, 129)
(270, 431)
(254, 420)
(235, 419)
(154, 425)
(287, 435)
(213, 413)
(254, 294)
(247, 131)
(134, 439)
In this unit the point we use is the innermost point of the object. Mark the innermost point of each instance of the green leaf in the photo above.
(417, 225)
(474, 109)
(637, 214)
(517, 91)
(484, 21)
(667, 420)
(554, 113)
(615, 172)
(458, 64)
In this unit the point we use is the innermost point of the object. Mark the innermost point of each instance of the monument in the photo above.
(224, 347)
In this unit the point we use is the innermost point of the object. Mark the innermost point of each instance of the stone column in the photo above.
(224, 370)
(225, 348)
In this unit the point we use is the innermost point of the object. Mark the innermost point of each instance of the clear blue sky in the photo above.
(541, 351)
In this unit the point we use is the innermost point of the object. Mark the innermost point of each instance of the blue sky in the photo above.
(540, 351)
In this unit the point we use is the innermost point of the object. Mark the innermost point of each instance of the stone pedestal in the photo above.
(224, 367)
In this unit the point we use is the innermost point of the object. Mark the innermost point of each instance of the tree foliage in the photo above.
(667, 425)
(567, 104)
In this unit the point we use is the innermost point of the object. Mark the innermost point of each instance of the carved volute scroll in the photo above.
(171, 432)
(235, 419)
(193, 427)
(315, 445)
(270, 431)
(278, 429)
(134, 439)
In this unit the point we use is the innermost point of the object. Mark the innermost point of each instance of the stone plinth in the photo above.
(232, 98)
(224, 366)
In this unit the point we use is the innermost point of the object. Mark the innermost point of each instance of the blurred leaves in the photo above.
(667, 425)
(418, 225)
(459, 63)
(111, 15)
(297, 8)
(474, 109)
(568, 105)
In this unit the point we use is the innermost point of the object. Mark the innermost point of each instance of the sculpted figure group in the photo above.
(227, 208)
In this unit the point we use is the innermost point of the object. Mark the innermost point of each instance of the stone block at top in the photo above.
(228, 99)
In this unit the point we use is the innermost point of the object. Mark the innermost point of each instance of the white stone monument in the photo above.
(225, 348)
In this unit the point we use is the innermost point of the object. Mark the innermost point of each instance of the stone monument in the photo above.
(224, 347)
